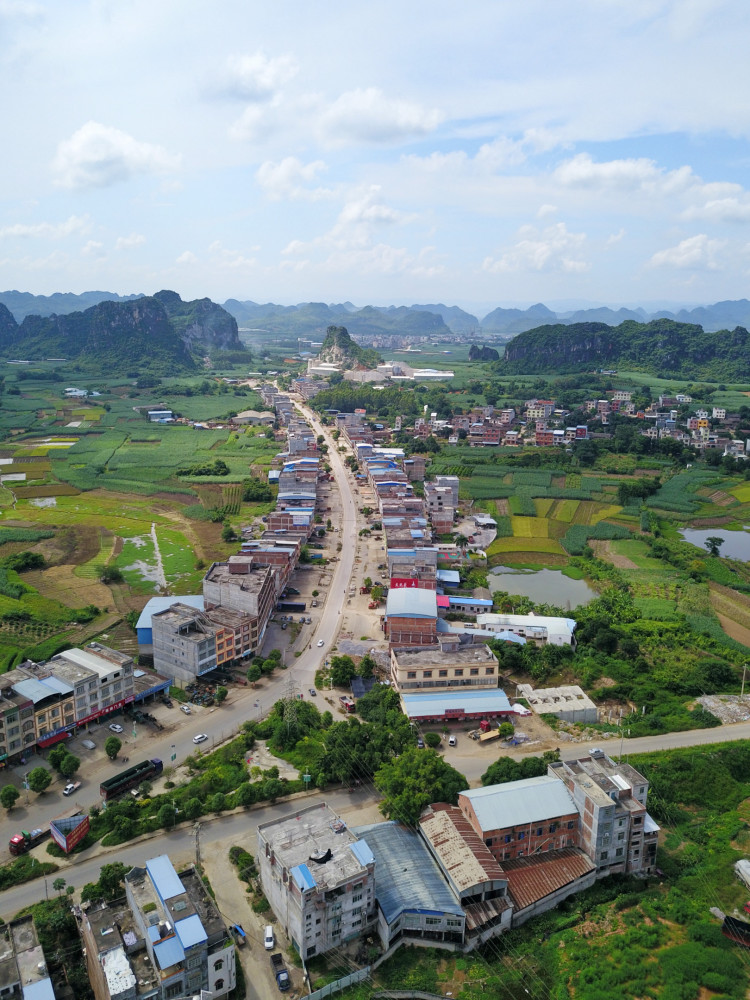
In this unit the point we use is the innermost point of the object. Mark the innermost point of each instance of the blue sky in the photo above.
(498, 153)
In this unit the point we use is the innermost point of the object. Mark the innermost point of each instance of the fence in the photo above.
(340, 984)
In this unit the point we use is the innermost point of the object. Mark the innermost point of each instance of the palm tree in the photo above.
(462, 542)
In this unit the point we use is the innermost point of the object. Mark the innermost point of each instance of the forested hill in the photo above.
(159, 334)
(661, 347)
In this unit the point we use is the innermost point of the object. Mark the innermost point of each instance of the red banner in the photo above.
(399, 582)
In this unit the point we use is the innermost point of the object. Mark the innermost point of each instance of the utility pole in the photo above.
(744, 671)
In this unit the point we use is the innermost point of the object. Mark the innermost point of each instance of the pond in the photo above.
(543, 586)
(736, 543)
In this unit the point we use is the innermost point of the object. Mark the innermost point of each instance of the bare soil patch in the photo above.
(734, 630)
(60, 584)
(603, 550)
(711, 522)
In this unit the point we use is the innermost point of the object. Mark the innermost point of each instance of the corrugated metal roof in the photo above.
(408, 878)
(650, 825)
(531, 879)
(162, 874)
(411, 603)
(40, 990)
(491, 702)
(449, 576)
(480, 601)
(32, 689)
(361, 851)
(190, 931)
(518, 803)
(169, 953)
(303, 877)
(461, 852)
(57, 685)
(157, 604)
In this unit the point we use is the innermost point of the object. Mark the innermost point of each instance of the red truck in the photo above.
(24, 841)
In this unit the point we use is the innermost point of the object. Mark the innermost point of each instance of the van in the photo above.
(452, 741)
(269, 942)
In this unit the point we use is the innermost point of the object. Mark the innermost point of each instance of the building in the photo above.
(442, 667)
(411, 617)
(616, 831)
(247, 583)
(569, 703)
(414, 902)
(188, 644)
(17, 730)
(103, 680)
(23, 969)
(520, 818)
(540, 629)
(458, 705)
(319, 878)
(153, 606)
(164, 940)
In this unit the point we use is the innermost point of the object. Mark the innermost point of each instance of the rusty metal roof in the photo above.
(461, 853)
(536, 876)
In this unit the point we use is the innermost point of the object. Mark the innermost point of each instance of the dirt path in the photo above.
(734, 630)
(160, 577)
(603, 550)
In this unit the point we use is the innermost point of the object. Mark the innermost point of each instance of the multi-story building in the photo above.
(318, 877)
(53, 701)
(102, 678)
(443, 667)
(164, 940)
(247, 583)
(23, 969)
(616, 831)
(411, 617)
(188, 644)
(17, 730)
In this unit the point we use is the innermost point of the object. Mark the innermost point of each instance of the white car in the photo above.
(320, 642)
(200, 738)
(185, 709)
(115, 728)
(269, 942)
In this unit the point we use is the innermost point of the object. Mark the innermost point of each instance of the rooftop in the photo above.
(315, 831)
(408, 878)
(252, 581)
(532, 878)
(411, 603)
(157, 604)
(426, 656)
(461, 852)
(456, 702)
(519, 803)
(101, 659)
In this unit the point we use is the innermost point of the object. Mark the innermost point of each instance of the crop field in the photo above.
(520, 544)
(529, 527)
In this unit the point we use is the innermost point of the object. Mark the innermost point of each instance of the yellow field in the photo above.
(742, 493)
(565, 510)
(528, 527)
(519, 544)
(543, 506)
(608, 511)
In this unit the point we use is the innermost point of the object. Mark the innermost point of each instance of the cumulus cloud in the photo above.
(287, 179)
(368, 115)
(98, 155)
(129, 242)
(696, 253)
(187, 257)
(544, 210)
(551, 249)
(232, 259)
(623, 175)
(256, 122)
(720, 210)
(94, 249)
(47, 230)
(255, 77)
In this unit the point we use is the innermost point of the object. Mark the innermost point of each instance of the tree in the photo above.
(57, 755)
(342, 671)
(221, 694)
(39, 779)
(366, 666)
(110, 574)
(228, 533)
(377, 592)
(112, 747)
(253, 673)
(59, 884)
(8, 796)
(69, 765)
(505, 729)
(415, 779)
(462, 542)
(166, 816)
(713, 544)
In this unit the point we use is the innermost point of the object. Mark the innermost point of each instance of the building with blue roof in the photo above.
(413, 899)
(181, 929)
(411, 617)
(153, 607)
(319, 878)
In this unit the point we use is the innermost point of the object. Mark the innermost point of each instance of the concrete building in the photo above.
(443, 667)
(153, 606)
(103, 679)
(540, 629)
(23, 969)
(246, 583)
(164, 940)
(188, 644)
(319, 878)
(17, 730)
(53, 704)
(568, 703)
(458, 705)
(616, 831)
(411, 617)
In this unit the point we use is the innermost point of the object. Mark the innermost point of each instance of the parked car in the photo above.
(185, 709)
(452, 741)
(115, 728)
(313, 692)
(200, 738)
(269, 942)
(320, 642)
(420, 743)
(167, 701)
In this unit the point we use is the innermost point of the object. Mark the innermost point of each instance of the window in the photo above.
(411, 674)
(218, 965)
(508, 838)
(539, 831)
(458, 673)
(427, 673)
(489, 671)
(219, 984)
(173, 991)
(637, 821)
(552, 827)
(194, 963)
(618, 852)
(571, 824)
(356, 899)
(442, 673)
(604, 855)
(474, 671)
(521, 836)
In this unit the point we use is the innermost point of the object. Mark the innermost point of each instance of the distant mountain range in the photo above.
(160, 334)
(435, 320)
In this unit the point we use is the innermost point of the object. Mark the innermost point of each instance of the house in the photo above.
(411, 617)
(442, 667)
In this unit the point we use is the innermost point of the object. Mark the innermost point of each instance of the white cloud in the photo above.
(287, 178)
(614, 238)
(256, 77)
(47, 230)
(257, 122)
(368, 208)
(544, 210)
(232, 259)
(697, 253)
(624, 175)
(20, 8)
(129, 242)
(187, 257)
(294, 246)
(721, 210)
(94, 249)
(98, 155)
(551, 249)
(367, 115)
